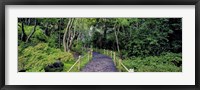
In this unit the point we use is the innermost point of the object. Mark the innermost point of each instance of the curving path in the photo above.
(100, 63)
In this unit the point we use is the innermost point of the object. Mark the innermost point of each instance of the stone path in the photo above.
(100, 63)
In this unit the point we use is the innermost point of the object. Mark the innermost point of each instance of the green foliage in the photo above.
(35, 58)
(143, 42)
(53, 41)
(77, 47)
(37, 37)
(162, 63)
(139, 36)
(68, 65)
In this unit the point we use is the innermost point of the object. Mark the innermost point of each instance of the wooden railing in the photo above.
(117, 61)
(78, 62)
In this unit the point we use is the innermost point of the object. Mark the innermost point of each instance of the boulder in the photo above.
(55, 67)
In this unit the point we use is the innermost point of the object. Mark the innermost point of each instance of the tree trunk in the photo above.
(32, 32)
(72, 39)
(117, 40)
(29, 21)
(78, 36)
(70, 43)
(73, 36)
(46, 31)
(69, 35)
(26, 21)
(24, 36)
(59, 29)
(65, 34)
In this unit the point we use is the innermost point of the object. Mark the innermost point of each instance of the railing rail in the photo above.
(79, 61)
(125, 67)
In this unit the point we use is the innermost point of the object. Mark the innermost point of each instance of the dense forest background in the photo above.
(145, 44)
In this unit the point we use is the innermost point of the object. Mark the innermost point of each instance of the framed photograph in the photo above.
(101, 44)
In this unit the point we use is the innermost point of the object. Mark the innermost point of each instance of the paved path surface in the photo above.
(100, 63)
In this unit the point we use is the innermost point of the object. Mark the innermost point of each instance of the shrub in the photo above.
(35, 58)
(166, 62)
(77, 47)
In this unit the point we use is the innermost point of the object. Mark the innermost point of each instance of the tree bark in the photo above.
(29, 21)
(65, 34)
(46, 31)
(59, 29)
(32, 32)
(73, 36)
(69, 35)
(116, 37)
(24, 36)
(71, 41)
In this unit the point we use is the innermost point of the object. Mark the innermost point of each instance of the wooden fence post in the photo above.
(91, 52)
(88, 55)
(79, 63)
(114, 59)
(119, 65)
(103, 51)
(111, 54)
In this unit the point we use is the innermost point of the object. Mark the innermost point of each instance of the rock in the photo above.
(23, 70)
(55, 67)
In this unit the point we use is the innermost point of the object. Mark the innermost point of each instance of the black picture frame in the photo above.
(3, 3)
